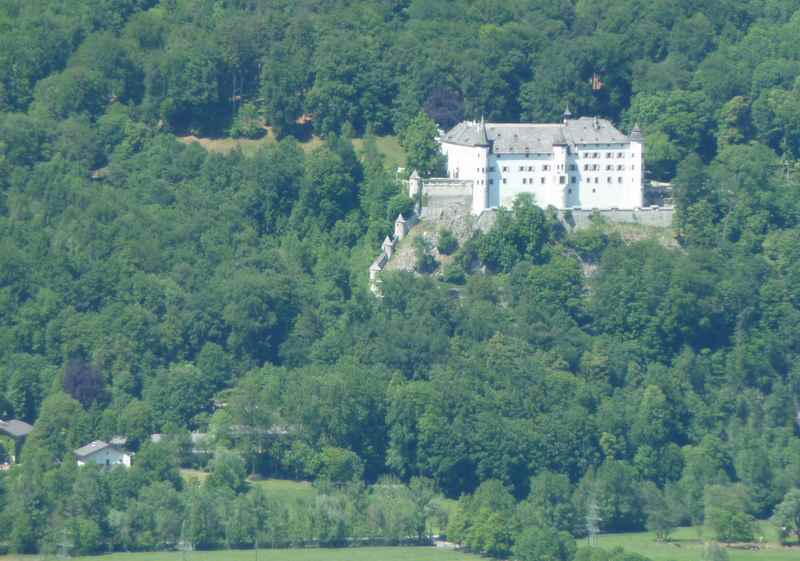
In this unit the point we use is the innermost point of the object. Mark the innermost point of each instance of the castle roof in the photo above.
(519, 138)
(400, 219)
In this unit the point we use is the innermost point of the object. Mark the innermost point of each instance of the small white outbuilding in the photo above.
(103, 454)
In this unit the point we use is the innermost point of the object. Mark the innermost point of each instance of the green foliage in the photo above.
(727, 513)
(247, 123)
(549, 504)
(787, 515)
(423, 153)
(226, 294)
(520, 234)
(340, 466)
(544, 544)
(424, 260)
(446, 242)
(484, 521)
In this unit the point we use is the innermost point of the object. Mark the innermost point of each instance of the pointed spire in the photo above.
(400, 219)
(387, 241)
(636, 133)
(483, 139)
(414, 174)
(567, 114)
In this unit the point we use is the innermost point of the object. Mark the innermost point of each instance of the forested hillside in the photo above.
(149, 286)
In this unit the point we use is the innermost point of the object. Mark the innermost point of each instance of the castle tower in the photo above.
(387, 246)
(400, 227)
(414, 185)
(567, 114)
(637, 152)
(480, 190)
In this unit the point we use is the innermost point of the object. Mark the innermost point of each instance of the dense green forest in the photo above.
(149, 286)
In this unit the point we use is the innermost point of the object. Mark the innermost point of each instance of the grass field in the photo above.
(350, 554)
(389, 146)
(285, 490)
(687, 545)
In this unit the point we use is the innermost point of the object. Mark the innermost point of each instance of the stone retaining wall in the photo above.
(661, 217)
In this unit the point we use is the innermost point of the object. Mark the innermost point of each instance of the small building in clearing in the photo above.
(103, 454)
(18, 431)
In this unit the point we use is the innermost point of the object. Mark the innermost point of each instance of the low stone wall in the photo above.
(661, 217)
(446, 194)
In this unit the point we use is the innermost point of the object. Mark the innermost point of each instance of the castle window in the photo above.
(569, 190)
(505, 181)
(505, 168)
(573, 179)
(585, 167)
(620, 168)
(530, 168)
(597, 180)
(595, 167)
(572, 167)
(609, 155)
(633, 167)
(521, 168)
(609, 180)
(491, 168)
(620, 155)
(594, 190)
(609, 167)
(619, 180)
(545, 168)
(543, 181)
(595, 155)
(562, 179)
(524, 181)
(491, 182)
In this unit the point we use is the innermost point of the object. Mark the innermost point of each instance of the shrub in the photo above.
(425, 263)
(247, 123)
(454, 273)
(447, 242)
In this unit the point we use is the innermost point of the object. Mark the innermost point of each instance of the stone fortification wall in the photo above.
(575, 219)
(440, 194)
(661, 217)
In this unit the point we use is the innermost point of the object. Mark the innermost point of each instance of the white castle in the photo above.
(579, 163)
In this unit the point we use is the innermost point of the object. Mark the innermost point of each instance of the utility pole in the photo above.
(64, 545)
(184, 545)
(592, 521)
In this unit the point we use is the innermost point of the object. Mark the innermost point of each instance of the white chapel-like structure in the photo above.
(584, 163)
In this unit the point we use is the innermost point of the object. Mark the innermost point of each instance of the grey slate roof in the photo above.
(15, 428)
(91, 448)
(518, 138)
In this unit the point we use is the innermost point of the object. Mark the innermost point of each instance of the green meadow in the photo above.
(686, 544)
(343, 554)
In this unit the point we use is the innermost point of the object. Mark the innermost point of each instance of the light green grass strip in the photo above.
(343, 554)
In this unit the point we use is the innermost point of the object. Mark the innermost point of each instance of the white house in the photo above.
(579, 163)
(103, 454)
